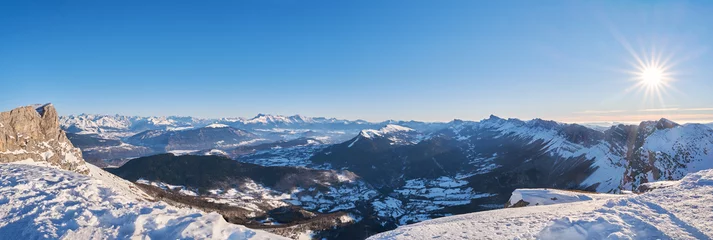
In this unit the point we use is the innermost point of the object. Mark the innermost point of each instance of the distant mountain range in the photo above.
(115, 125)
(112, 139)
(119, 126)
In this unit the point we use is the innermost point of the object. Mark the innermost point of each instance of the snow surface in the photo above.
(216, 152)
(182, 152)
(388, 129)
(538, 197)
(680, 211)
(39, 202)
(217, 125)
(121, 186)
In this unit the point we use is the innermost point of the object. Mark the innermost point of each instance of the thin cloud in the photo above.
(659, 110)
(698, 109)
(636, 118)
(600, 111)
(676, 109)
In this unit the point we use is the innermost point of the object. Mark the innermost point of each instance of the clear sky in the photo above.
(375, 60)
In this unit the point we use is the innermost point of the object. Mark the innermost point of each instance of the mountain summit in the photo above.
(32, 133)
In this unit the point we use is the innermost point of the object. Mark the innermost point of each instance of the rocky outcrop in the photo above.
(520, 203)
(32, 133)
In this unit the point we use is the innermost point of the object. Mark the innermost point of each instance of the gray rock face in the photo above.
(32, 133)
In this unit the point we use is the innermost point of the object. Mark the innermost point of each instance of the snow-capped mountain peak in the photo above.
(217, 125)
(276, 119)
(395, 128)
(386, 130)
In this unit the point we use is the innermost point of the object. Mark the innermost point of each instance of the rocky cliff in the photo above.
(32, 133)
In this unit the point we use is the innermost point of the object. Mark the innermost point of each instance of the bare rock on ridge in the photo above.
(32, 133)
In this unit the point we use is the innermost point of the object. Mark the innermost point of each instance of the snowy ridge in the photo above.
(40, 202)
(117, 126)
(672, 212)
(610, 172)
(272, 119)
(92, 123)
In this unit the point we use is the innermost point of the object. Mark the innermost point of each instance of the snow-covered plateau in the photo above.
(679, 210)
(41, 202)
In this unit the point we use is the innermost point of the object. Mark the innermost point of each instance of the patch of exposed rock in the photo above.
(32, 133)
(520, 203)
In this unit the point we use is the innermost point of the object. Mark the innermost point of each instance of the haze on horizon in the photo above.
(570, 61)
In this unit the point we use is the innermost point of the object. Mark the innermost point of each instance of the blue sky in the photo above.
(373, 60)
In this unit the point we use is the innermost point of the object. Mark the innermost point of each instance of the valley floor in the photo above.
(39, 202)
(682, 210)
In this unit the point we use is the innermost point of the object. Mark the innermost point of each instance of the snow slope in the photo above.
(39, 202)
(682, 210)
(121, 186)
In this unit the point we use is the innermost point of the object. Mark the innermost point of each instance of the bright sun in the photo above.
(652, 76)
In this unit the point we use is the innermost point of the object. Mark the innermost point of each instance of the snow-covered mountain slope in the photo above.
(620, 158)
(397, 135)
(679, 150)
(43, 202)
(679, 211)
(121, 186)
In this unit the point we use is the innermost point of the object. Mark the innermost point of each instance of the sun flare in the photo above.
(652, 76)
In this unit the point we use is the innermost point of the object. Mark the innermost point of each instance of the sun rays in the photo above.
(652, 76)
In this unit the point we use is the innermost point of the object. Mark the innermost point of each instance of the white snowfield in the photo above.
(542, 196)
(683, 210)
(38, 202)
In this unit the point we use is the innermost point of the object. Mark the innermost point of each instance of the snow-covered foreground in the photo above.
(683, 210)
(39, 202)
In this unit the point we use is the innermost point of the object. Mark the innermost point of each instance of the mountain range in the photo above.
(414, 171)
(337, 179)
